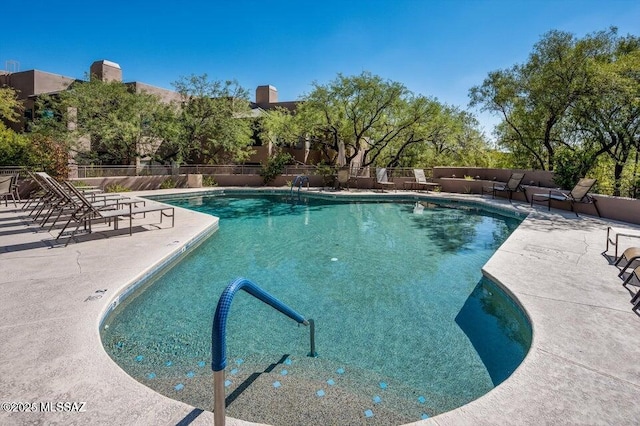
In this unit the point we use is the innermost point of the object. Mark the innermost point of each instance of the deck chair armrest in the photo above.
(499, 186)
(555, 194)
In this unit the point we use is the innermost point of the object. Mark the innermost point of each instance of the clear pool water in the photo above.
(406, 327)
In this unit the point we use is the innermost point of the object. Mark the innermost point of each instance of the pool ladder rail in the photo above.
(218, 335)
(299, 181)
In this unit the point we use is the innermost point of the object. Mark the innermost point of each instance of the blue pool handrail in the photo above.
(218, 335)
(299, 181)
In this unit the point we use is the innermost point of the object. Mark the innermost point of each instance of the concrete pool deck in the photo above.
(582, 367)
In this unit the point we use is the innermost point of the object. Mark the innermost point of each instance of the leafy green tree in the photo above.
(534, 98)
(30, 150)
(608, 122)
(451, 137)
(15, 149)
(275, 166)
(380, 122)
(120, 123)
(279, 127)
(33, 151)
(10, 106)
(214, 122)
(365, 114)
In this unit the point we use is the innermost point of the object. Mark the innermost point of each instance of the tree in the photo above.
(214, 122)
(534, 98)
(450, 136)
(10, 106)
(15, 149)
(609, 121)
(372, 120)
(120, 123)
(361, 115)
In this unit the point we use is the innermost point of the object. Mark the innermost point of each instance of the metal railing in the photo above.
(90, 171)
(218, 336)
(299, 181)
(10, 170)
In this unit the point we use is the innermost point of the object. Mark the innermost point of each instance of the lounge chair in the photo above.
(631, 255)
(514, 184)
(421, 181)
(383, 180)
(636, 298)
(6, 190)
(15, 188)
(88, 212)
(343, 178)
(614, 235)
(356, 172)
(579, 194)
(63, 199)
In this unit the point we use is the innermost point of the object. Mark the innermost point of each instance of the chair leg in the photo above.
(627, 280)
(629, 262)
(54, 221)
(64, 228)
(572, 209)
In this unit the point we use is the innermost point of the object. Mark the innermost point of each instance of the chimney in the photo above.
(266, 95)
(106, 71)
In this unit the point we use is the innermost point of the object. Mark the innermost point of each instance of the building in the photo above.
(31, 84)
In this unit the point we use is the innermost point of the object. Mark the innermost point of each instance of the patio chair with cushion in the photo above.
(578, 195)
(514, 184)
(383, 180)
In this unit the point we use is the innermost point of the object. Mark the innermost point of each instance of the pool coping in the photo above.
(589, 371)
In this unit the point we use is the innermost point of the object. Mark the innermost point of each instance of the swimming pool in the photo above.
(406, 325)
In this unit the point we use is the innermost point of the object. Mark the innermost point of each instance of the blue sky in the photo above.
(436, 48)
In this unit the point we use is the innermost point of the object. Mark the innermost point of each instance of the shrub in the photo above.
(116, 187)
(327, 172)
(275, 166)
(168, 184)
(209, 180)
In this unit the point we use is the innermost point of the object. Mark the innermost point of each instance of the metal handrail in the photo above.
(218, 336)
(89, 171)
(299, 181)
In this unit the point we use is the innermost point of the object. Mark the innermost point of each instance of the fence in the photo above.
(92, 171)
(9, 170)
(205, 169)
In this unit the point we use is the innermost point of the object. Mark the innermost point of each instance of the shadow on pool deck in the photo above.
(581, 369)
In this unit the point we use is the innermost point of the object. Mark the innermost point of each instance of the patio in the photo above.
(581, 369)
